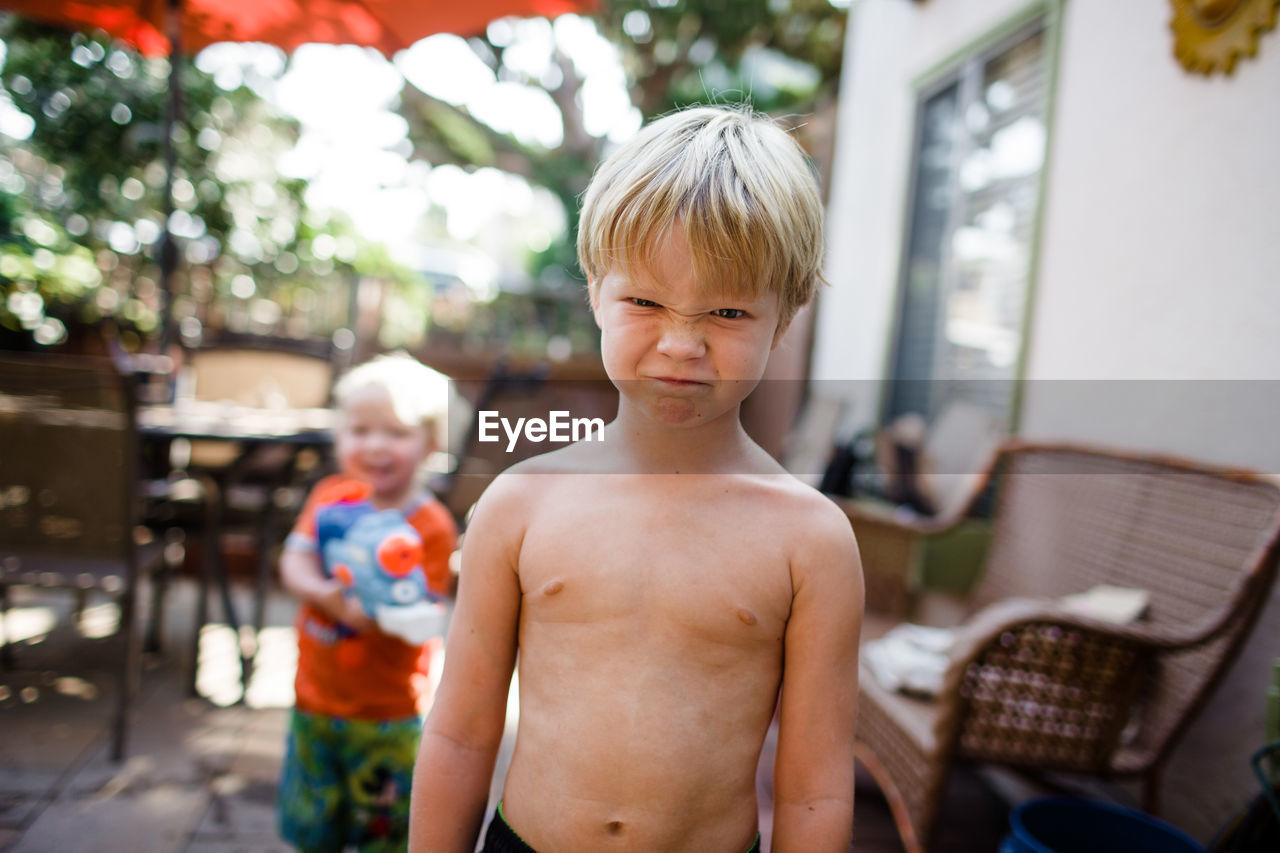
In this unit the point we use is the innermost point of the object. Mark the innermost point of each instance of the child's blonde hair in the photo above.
(419, 395)
(741, 190)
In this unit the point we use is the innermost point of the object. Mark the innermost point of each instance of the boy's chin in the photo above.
(679, 412)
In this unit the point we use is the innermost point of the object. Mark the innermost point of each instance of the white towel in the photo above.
(910, 658)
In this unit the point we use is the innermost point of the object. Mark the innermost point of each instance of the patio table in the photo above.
(249, 429)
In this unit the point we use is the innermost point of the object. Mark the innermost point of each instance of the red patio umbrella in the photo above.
(388, 25)
(159, 27)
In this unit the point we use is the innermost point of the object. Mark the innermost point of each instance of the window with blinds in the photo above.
(976, 182)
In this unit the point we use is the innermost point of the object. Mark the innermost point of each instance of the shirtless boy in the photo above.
(669, 587)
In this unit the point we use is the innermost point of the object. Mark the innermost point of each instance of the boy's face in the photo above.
(375, 446)
(684, 355)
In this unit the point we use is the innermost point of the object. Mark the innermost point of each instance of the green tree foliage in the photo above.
(781, 56)
(99, 112)
(83, 200)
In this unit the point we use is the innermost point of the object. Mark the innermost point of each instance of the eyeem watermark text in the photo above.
(559, 427)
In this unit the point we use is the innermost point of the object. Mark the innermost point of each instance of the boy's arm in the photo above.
(464, 729)
(302, 576)
(301, 571)
(813, 771)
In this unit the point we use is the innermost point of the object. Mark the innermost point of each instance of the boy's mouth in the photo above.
(678, 382)
(678, 386)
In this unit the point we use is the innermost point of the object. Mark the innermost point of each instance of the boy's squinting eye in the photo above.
(729, 313)
(643, 303)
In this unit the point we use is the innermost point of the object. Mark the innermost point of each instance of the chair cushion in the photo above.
(916, 718)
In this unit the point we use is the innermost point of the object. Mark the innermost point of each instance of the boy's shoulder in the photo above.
(337, 488)
(426, 510)
(788, 495)
(816, 536)
(521, 480)
(812, 529)
(803, 506)
(536, 473)
(579, 457)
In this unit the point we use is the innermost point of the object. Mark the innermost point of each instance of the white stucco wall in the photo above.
(1161, 249)
(1160, 257)
(1155, 320)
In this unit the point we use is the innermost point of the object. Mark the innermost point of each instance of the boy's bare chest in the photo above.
(705, 566)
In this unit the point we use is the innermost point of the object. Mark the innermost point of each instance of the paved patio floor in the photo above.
(199, 776)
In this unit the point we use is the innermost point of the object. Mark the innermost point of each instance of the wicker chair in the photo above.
(68, 504)
(1032, 687)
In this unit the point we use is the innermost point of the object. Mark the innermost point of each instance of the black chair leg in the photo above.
(130, 673)
(153, 639)
(267, 534)
(214, 569)
(6, 649)
(263, 567)
(212, 554)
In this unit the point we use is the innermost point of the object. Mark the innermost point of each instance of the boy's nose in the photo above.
(682, 340)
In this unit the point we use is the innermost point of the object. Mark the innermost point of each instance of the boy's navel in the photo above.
(552, 587)
(747, 617)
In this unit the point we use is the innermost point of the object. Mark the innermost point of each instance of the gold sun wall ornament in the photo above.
(1210, 35)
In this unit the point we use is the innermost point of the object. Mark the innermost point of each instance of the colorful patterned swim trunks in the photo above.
(345, 783)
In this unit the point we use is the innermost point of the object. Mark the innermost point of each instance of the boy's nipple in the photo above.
(748, 618)
(552, 587)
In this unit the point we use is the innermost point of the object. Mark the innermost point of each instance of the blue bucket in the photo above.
(1078, 825)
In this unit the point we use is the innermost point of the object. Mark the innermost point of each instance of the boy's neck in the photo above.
(719, 447)
(396, 501)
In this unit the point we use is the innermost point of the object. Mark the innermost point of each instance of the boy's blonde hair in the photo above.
(419, 395)
(741, 190)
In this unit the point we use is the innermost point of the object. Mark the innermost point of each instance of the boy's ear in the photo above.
(778, 334)
(593, 296)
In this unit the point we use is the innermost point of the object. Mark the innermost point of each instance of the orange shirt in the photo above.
(368, 676)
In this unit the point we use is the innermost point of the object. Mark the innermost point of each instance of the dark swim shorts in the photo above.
(501, 838)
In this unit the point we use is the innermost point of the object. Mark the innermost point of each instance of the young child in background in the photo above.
(669, 587)
(355, 729)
